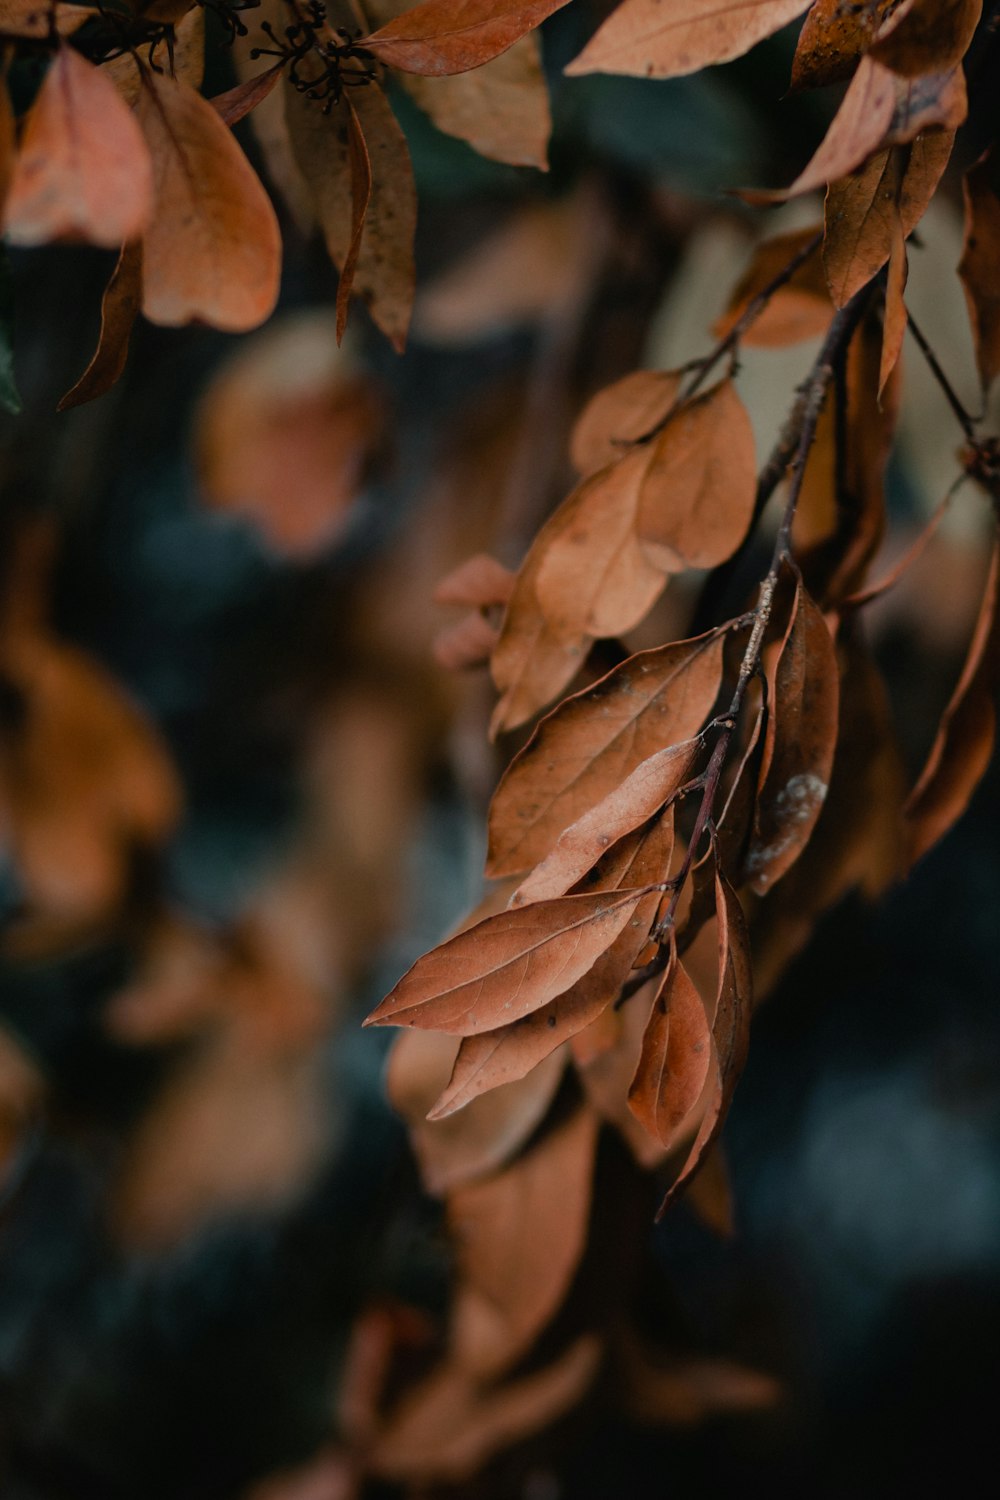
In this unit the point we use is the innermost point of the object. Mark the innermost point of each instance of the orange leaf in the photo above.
(585, 747)
(212, 253)
(667, 38)
(34, 19)
(451, 36)
(479, 583)
(677, 1054)
(699, 487)
(805, 719)
(832, 39)
(119, 310)
(83, 170)
(798, 310)
(507, 965)
(236, 103)
(964, 743)
(620, 414)
(894, 318)
(980, 263)
(925, 36)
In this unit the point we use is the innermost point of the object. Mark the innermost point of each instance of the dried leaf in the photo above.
(447, 1428)
(451, 36)
(833, 38)
(805, 717)
(924, 36)
(212, 253)
(501, 108)
(532, 662)
(700, 484)
(507, 965)
(964, 742)
(676, 1058)
(83, 170)
(480, 582)
(861, 209)
(466, 645)
(730, 1029)
(384, 273)
(592, 741)
(798, 310)
(34, 19)
(186, 60)
(236, 103)
(633, 802)
(894, 319)
(489, 1131)
(496, 1057)
(667, 38)
(359, 163)
(533, 1215)
(620, 414)
(980, 262)
(859, 128)
(119, 310)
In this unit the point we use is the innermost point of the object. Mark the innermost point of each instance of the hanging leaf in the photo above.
(800, 309)
(980, 261)
(805, 719)
(925, 36)
(451, 36)
(894, 318)
(677, 1056)
(236, 103)
(34, 20)
(119, 310)
(668, 38)
(507, 965)
(83, 170)
(585, 747)
(480, 582)
(620, 414)
(833, 38)
(964, 742)
(212, 253)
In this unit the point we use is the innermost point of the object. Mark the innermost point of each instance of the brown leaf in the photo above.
(479, 583)
(620, 414)
(934, 100)
(451, 36)
(681, 1391)
(861, 209)
(675, 1060)
(212, 253)
(924, 36)
(384, 273)
(859, 129)
(534, 1214)
(730, 1029)
(633, 802)
(466, 645)
(894, 318)
(447, 1428)
(532, 662)
(585, 747)
(267, 121)
(798, 310)
(236, 103)
(833, 38)
(496, 1057)
(490, 1130)
(980, 262)
(667, 38)
(186, 59)
(698, 489)
(119, 310)
(507, 965)
(360, 166)
(34, 19)
(964, 742)
(805, 716)
(83, 170)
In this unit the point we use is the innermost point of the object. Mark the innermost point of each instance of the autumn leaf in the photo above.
(507, 965)
(479, 583)
(676, 1058)
(805, 719)
(451, 36)
(119, 310)
(964, 742)
(34, 19)
(585, 747)
(212, 253)
(622, 413)
(668, 38)
(980, 257)
(894, 317)
(926, 36)
(833, 39)
(83, 170)
(236, 103)
(800, 309)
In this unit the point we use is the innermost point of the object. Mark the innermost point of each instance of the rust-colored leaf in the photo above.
(833, 38)
(507, 965)
(859, 128)
(383, 273)
(979, 267)
(448, 1427)
(730, 1029)
(119, 310)
(83, 170)
(861, 209)
(592, 741)
(533, 1214)
(496, 1057)
(360, 166)
(236, 103)
(451, 36)
(798, 310)
(805, 718)
(698, 490)
(925, 36)
(186, 59)
(633, 802)
(620, 414)
(964, 742)
(676, 1058)
(212, 252)
(479, 583)
(34, 20)
(467, 644)
(667, 38)
(894, 316)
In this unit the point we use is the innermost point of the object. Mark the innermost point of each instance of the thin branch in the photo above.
(966, 421)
